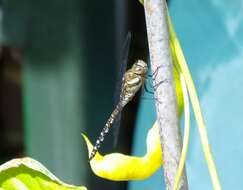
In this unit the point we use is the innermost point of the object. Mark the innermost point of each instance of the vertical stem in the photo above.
(166, 103)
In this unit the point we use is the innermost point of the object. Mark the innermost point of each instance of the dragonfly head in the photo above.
(140, 67)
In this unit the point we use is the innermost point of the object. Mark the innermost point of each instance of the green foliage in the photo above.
(29, 174)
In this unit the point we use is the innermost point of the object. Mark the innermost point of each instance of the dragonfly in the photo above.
(132, 80)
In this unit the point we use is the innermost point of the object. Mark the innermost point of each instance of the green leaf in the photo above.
(29, 174)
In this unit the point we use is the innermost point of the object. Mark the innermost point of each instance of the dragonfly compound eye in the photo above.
(140, 67)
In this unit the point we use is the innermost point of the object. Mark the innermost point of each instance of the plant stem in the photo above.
(163, 80)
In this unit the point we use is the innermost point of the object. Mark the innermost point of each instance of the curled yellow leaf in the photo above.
(120, 167)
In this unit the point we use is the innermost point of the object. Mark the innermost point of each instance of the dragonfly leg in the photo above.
(159, 83)
(155, 73)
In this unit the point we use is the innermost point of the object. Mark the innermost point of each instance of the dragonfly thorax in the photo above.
(132, 81)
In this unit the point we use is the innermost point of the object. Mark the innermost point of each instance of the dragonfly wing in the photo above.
(122, 64)
(116, 130)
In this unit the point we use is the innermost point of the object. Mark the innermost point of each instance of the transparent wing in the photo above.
(122, 64)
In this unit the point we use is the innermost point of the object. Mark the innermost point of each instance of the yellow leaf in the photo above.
(120, 167)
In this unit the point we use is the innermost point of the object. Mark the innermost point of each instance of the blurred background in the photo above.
(59, 62)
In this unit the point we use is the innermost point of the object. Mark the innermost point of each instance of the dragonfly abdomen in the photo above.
(105, 130)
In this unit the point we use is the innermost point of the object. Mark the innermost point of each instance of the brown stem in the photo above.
(166, 103)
